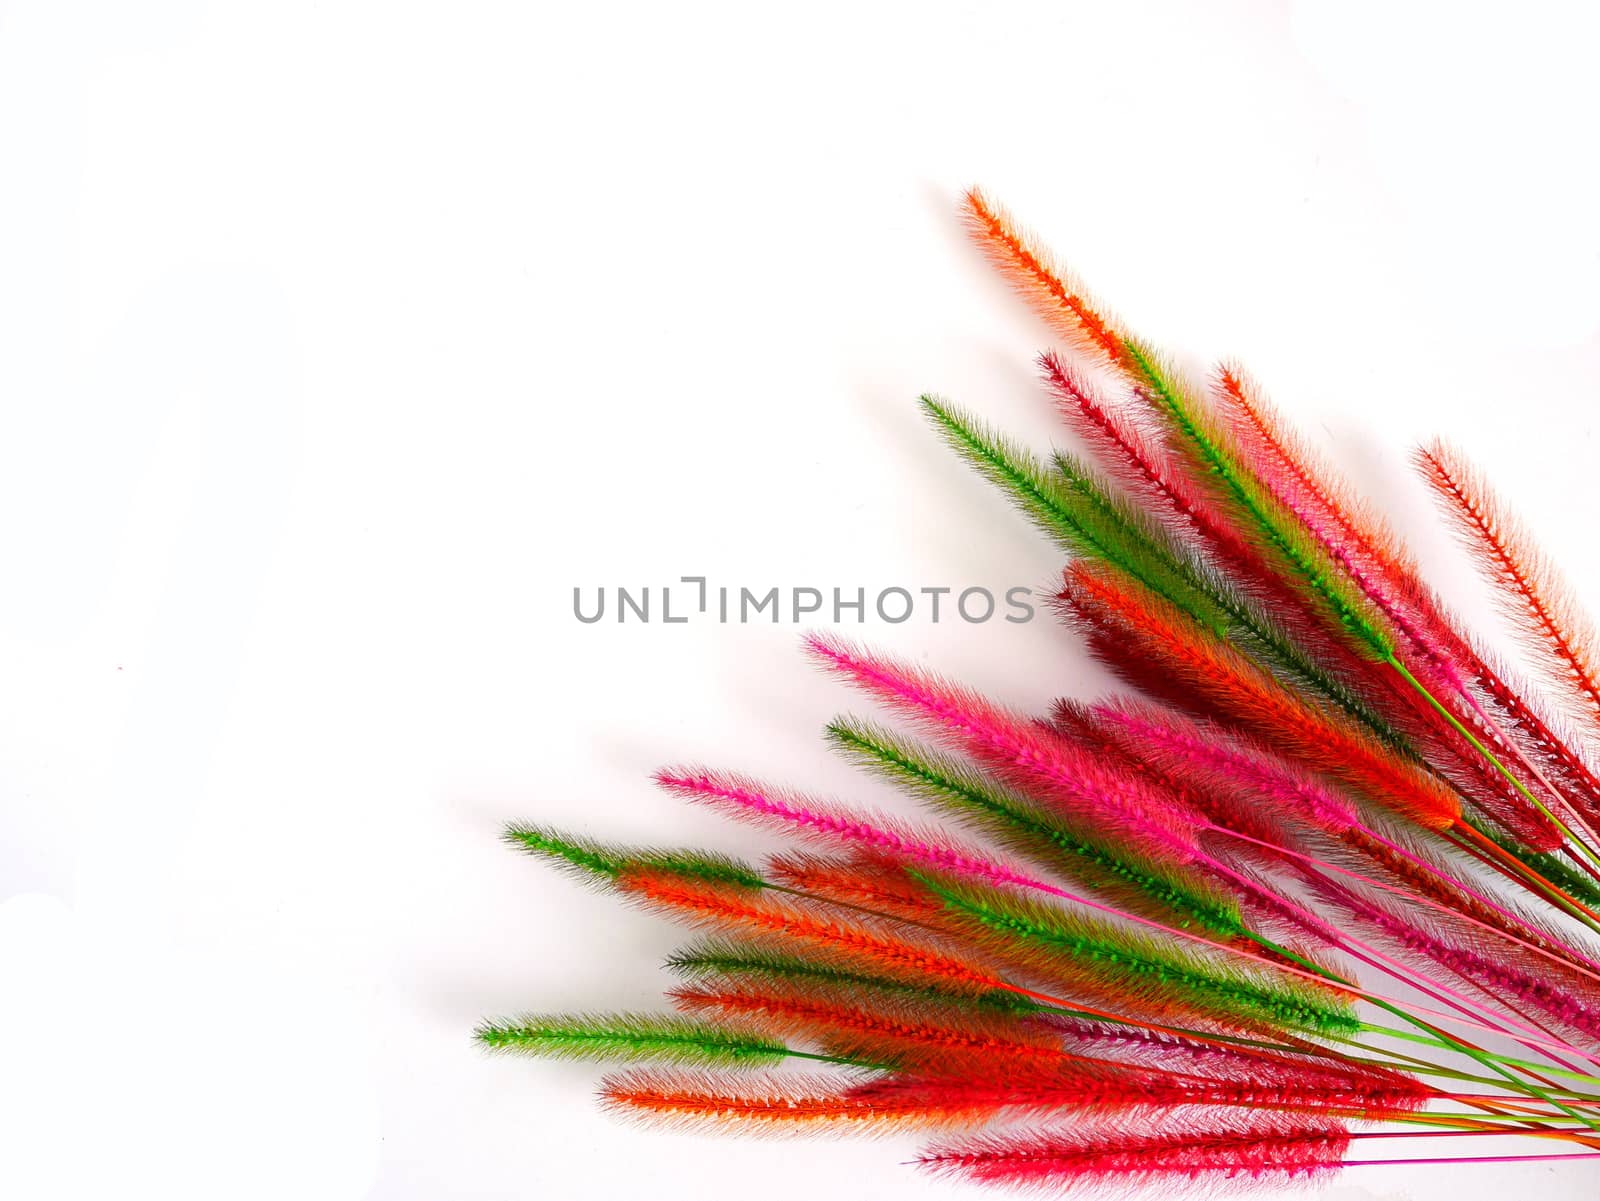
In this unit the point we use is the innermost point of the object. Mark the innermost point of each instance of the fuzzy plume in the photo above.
(1529, 588)
(630, 1038)
(783, 1104)
(596, 862)
(1074, 951)
(1060, 299)
(1262, 1151)
(834, 826)
(1123, 1091)
(853, 941)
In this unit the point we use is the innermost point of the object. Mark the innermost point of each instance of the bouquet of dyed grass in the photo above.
(1326, 876)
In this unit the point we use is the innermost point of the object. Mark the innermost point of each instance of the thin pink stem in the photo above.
(1374, 1163)
(1415, 1010)
(1573, 816)
(1390, 966)
(1430, 902)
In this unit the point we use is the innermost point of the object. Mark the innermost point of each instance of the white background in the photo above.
(341, 341)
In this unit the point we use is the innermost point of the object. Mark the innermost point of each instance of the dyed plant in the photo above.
(1325, 876)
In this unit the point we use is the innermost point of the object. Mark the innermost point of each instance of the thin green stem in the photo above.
(1513, 1061)
(1455, 1044)
(1393, 1059)
(1455, 724)
(1507, 1125)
